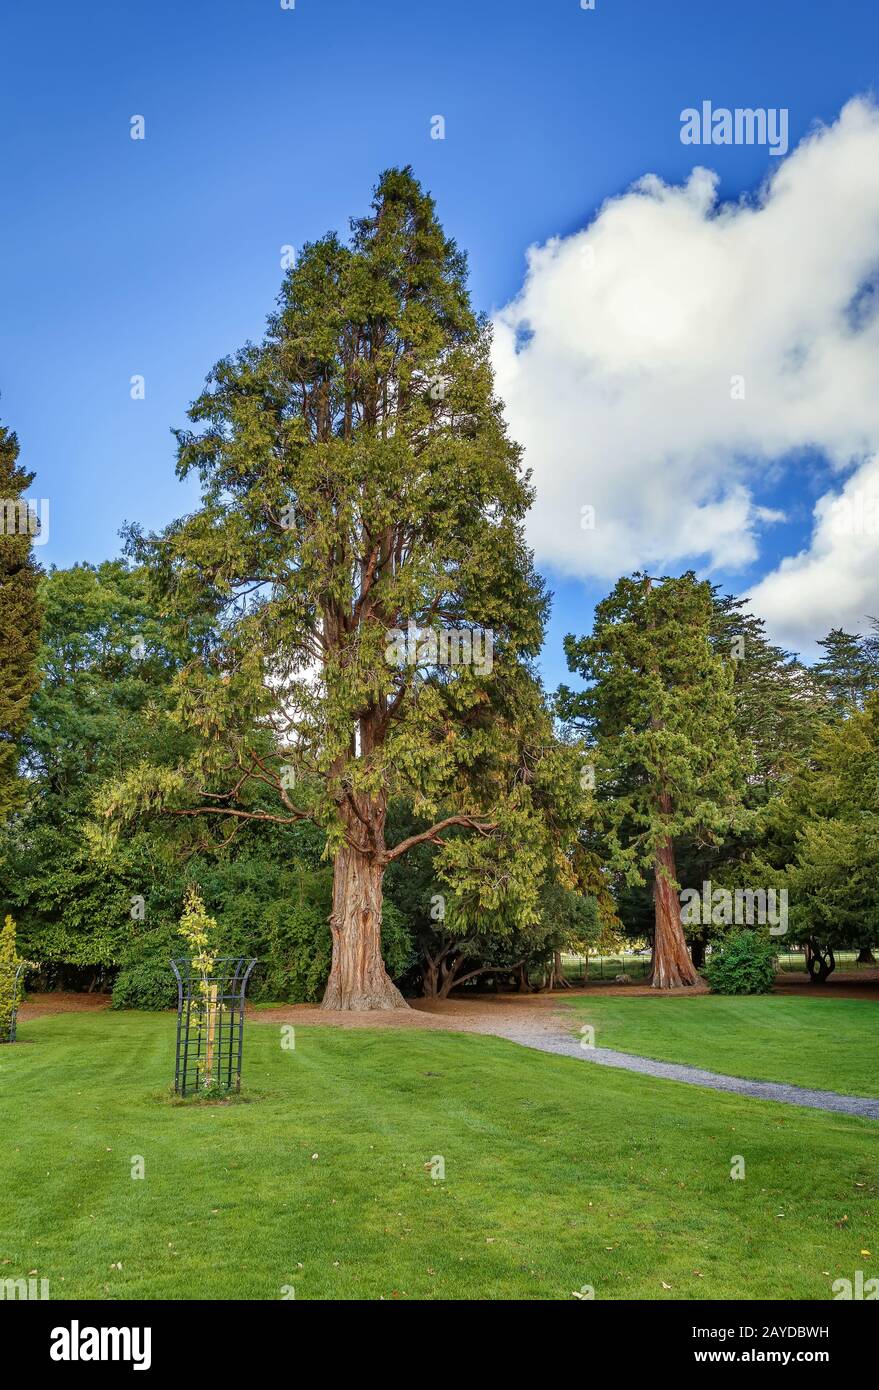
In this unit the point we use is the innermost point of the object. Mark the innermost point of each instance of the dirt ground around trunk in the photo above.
(494, 1013)
(506, 1014)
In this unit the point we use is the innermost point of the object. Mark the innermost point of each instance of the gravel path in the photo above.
(697, 1076)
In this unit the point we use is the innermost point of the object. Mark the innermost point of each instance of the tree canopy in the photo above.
(373, 608)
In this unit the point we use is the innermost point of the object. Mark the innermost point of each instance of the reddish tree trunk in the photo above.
(358, 978)
(672, 966)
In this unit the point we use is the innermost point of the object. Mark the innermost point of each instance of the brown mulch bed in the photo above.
(62, 1002)
(862, 983)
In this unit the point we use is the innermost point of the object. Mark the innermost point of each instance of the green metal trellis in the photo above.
(210, 1024)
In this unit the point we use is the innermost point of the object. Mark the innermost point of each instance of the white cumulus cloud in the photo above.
(664, 364)
(835, 582)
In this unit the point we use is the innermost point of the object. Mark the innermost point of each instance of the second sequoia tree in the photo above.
(659, 711)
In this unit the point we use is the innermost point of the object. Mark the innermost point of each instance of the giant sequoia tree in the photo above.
(659, 710)
(373, 607)
(19, 617)
(779, 707)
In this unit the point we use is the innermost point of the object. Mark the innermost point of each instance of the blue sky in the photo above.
(267, 127)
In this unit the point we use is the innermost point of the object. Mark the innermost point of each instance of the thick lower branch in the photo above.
(432, 835)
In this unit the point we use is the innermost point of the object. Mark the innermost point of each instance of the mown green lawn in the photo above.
(832, 1044)
(557, 1174)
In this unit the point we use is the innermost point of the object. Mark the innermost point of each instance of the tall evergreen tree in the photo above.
(19, 617)
(829, 812)
(778, 707)
(779, 703)
(660, 711)
(361, 504)
(848, 670)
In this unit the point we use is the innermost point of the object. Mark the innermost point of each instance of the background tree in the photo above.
(454, 948)
(779, 703)
(848, 670)
(19, 617)
(659, 711)
(357, 478)
(831, 811)
(101, 707)
(572, 924)
(790, 717)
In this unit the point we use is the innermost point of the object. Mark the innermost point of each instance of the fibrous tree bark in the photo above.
(358, 978)
(672, 967)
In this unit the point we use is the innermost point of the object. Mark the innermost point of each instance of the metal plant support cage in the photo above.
(20, 968)
(210, 1024)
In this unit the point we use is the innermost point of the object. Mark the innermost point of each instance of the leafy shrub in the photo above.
(298, 948)
(743, 963)
(145, 979)
(281, 917)
(8, 962)
(149, 985)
